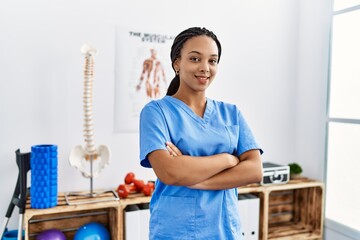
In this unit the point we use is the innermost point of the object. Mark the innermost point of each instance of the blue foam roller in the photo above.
(43, 163)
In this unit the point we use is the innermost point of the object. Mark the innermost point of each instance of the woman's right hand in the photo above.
(173, 150)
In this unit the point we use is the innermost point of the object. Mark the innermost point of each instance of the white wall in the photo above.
(312, 76)
(273, 67)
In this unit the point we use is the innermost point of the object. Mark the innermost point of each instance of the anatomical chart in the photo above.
(142, 73)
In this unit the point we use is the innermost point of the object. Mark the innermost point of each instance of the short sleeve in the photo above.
(153, 131)
(246, 139)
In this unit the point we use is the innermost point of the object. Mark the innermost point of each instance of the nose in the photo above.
(204, 67)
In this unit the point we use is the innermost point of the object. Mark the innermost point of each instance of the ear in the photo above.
(176, 65)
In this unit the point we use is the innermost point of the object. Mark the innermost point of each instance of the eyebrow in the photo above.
(213, 55)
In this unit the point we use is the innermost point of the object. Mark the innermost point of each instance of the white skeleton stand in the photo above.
(80, 156)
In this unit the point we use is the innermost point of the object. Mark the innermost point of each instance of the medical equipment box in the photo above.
(275, 173)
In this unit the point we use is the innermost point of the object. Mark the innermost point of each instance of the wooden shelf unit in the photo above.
(290, 211)
(68, 218)
(287, 211)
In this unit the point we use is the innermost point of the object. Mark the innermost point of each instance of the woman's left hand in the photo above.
(173, 150)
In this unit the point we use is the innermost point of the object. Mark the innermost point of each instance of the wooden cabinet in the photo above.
(290, 211)
(69, 218)
(287, 211)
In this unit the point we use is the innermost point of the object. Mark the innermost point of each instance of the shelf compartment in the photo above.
(68, 218)
(295, 213)
(70, 222)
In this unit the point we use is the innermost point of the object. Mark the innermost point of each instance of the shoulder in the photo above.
(153, 106)
(150, 106)
(224, 106)
(227, 111)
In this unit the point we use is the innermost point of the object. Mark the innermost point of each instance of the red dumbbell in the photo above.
(148, 189)
(130, 178)
(124, 190)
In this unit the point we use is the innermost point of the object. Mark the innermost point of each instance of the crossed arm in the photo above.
(220, 171)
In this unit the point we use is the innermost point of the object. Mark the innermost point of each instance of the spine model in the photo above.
(80, 156)
(88, 101)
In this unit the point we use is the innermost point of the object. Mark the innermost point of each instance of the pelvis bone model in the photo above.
(80, 156)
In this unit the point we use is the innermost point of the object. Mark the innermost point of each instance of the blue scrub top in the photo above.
(178, 212)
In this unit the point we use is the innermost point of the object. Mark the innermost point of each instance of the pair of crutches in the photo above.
(20, 193)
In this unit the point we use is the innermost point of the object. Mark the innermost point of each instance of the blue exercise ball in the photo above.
(11, 235)
(92, 231)
(51, 234)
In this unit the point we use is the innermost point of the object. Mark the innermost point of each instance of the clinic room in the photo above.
(191, 120)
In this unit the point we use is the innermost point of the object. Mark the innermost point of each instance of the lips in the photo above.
(202, 79)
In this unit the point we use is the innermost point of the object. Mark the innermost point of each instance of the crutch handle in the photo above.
(23, 162)
(20, 192)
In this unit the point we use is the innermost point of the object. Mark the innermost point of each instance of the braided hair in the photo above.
(178, 44)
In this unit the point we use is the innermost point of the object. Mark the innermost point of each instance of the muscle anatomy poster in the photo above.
(142, 73)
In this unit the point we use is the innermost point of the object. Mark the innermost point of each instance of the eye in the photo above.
(213, 61)
(195, 59)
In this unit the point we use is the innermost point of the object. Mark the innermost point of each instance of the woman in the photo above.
(200, 149)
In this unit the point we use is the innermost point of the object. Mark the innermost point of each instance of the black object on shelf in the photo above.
(20, 192)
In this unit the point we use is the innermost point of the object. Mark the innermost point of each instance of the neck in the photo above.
(197, 102)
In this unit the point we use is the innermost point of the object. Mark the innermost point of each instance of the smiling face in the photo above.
(197, 65)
